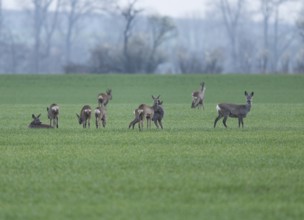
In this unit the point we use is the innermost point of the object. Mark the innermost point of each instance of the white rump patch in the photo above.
(55, 108)
(218, 108)
(97, 111)
(140, 111)
(100, 97)
(87, 110)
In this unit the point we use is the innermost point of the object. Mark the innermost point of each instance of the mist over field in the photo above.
(89, 36)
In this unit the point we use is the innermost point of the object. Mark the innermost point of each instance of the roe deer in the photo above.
(36, 123)
(234, 111)
(53, 112)
(158, 115)
(198, 97)
(145, 112)
(138, 117)
(104, 98)
(85, 116)
(100, 116)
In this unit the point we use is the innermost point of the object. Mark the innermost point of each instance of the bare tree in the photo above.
(270, 10)
(44, 25)
(231, 14)
(299, 64)
(1, 16)
(300, 23)
(75, 11)
(163, 29)
(129, 13)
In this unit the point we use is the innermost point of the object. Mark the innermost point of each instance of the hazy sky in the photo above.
(173, 8)
(178, 8)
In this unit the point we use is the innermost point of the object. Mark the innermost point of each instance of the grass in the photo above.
(186, 171)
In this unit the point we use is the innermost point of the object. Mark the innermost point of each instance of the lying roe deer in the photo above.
(100, 116)
(85, 116)
(145, 112)
(198, 97)
(53, 112)
(234, 111)
(104, 98)
(36, 123)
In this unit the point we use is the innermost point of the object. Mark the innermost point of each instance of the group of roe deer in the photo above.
(146, 112)
(84, 117)
(224, 110)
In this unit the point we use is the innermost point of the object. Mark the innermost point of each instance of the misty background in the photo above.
(108, 36)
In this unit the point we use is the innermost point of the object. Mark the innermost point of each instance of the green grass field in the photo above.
(189, 170)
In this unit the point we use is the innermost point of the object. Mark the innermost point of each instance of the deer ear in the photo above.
(77, 115)
(246, 93)
(252, 93)
(38, 115)
(153, 97)
(33, 116)
(158, 96)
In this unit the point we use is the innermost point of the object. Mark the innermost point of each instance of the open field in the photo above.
(189, 170)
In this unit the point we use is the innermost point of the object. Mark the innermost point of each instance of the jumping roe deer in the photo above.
(53, 112)
(145, 112)
(36, 123)
(198, 97)
(100, 116)
(104, 98)
(85, 116)
(234, 111)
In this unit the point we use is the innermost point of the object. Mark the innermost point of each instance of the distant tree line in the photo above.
(107, 36)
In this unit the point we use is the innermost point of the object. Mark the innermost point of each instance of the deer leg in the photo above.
(224, 121)
(240, 119)
(160, 123)
(141, 124)
(242, 122)
(89, 123)
(132, 123)
(218, 118)
(56, 122)
(155, 122)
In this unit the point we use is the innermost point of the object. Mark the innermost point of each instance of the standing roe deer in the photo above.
(198, 97)
(145, 112)
(36, 123)
(234, 111)
(100, 116)
(104, 98)
(85, 116)
(53, 112)
(158, 115)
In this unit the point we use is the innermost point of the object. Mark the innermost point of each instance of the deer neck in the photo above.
(248, 106)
